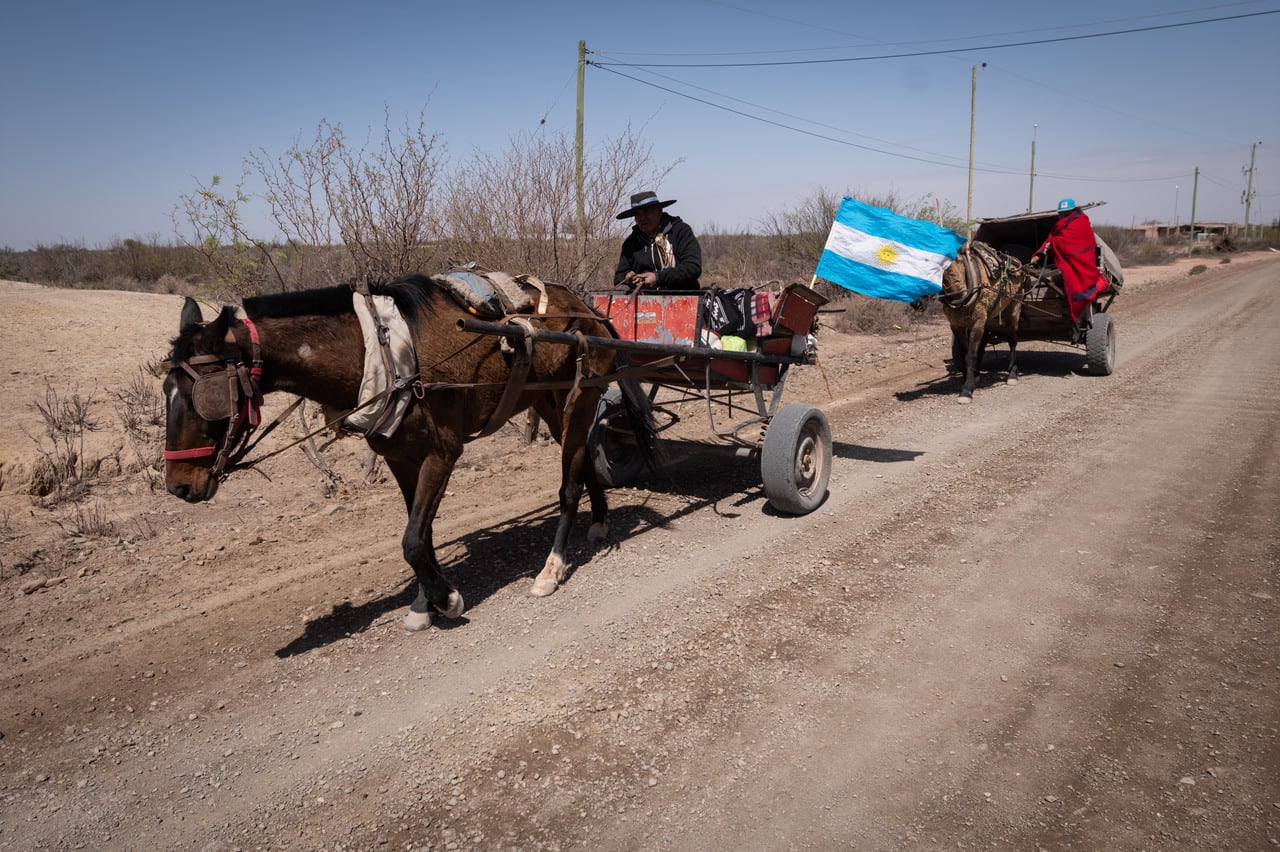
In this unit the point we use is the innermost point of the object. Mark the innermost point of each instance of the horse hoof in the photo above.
(456, 606)
(417, 621)
(964, 400)
(1011, 381)
(543, 586)
(598, 532)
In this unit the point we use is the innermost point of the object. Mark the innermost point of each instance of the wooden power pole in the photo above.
(578, 176)
(1195, 188)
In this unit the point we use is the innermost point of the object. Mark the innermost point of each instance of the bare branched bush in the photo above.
(63, 471)
(517, 210)
(375, 202)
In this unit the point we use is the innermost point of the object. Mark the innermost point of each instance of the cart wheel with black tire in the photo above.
(1100, 345)
(612, 444)
(795, 461)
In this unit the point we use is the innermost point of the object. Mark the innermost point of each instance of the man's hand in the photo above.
(1034, 261)
(640, 280)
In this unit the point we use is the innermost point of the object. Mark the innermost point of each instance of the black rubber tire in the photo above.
(795, 461)
(1100, 345)
(614, 454)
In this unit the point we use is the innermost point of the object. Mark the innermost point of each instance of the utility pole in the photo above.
(1176, 189)
(973, 110)
(1031, 193)
(1195, 188)
(577, 168)
(1247, 199)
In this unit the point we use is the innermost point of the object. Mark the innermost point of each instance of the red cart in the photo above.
(740, 379)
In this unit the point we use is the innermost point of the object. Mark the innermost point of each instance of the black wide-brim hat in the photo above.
(641, 200)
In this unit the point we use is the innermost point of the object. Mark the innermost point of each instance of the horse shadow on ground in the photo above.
(515, 550)
(992, 372)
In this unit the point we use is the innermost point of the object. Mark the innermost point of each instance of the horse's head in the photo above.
(953, 277)
(956, 278)
(211, 403)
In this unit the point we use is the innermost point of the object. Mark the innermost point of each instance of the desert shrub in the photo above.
(1149, 254)
(853, 313)
(89, 522)
(140, 408)
(62, 471)
(1198, 269)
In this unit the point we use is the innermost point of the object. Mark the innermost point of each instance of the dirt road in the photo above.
(1044, 620)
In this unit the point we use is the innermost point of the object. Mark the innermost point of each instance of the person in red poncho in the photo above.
(1075, 252)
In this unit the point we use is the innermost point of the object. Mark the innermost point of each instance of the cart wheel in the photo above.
(1100, 345)
(612, 444)
(795, 462)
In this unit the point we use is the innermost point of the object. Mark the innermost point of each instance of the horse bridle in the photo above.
(230, 393)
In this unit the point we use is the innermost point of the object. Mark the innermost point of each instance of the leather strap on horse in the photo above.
(994, 264)
(521, 360)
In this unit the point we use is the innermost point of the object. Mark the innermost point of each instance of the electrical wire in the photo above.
(942, 51)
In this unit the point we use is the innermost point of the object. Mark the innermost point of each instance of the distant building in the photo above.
(1204, 230)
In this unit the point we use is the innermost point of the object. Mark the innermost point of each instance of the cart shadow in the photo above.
(704, 477)
(991, 372)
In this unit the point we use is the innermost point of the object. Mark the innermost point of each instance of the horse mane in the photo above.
(410, 293)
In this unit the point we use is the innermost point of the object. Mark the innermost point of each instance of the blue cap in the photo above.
(1066, 204)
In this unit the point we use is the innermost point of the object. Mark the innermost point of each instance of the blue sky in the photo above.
(113, 111)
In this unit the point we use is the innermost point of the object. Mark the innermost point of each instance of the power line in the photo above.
(993, 169)
(790, 127)
(939, 52)
(811, 25)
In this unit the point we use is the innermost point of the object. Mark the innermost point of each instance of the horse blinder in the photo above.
(216, 397)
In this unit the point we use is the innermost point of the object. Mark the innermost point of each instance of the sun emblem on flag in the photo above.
(887, 254)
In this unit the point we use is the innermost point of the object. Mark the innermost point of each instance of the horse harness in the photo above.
(233, 392)
(997, 266)
(230, 393)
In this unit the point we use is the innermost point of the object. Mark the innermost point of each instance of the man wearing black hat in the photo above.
(661, 251)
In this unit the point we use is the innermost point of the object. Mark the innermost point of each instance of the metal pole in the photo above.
(578, 170)
(1031, 194)
(1176, 189)
(973, 108)
(1195, 188)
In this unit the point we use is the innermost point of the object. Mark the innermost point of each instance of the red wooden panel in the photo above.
(653, 318)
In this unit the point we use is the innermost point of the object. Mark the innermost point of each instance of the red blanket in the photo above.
(1075, 253)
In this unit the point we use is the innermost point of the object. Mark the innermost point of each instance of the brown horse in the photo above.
(982, 299)
(310, 344)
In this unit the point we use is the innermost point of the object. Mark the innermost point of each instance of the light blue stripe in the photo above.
(888, 225)
(871, 281)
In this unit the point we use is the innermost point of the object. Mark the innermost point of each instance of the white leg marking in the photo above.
(549, 577)
(415, 621)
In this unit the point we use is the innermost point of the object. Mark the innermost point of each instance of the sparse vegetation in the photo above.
(88, 522)
(62, 472)
(140, 409)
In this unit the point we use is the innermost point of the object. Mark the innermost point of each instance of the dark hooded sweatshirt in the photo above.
(642, 253)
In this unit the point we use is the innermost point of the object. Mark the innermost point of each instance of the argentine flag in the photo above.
(878, 253)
